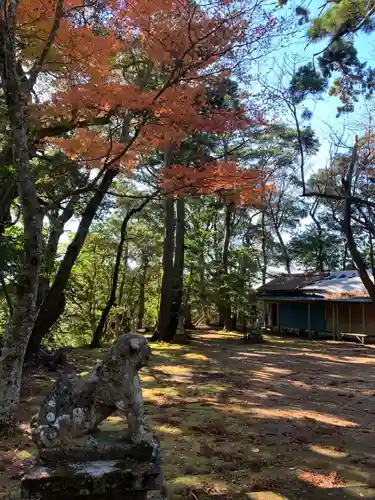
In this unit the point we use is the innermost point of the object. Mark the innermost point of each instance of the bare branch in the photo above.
(35, 70)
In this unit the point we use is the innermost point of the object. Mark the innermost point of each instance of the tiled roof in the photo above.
(291, 282)
(329, 286)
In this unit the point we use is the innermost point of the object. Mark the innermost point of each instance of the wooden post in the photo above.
(309, 318)
(265, 310)
(350, 318)
(337, 319)
(278, 315)
(363, 318)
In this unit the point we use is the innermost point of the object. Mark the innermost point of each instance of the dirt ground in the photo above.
(289, 418)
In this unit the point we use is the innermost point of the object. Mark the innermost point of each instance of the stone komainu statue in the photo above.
(78, 404)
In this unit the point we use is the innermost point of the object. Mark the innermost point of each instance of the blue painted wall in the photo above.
(295, 315)
(317, 316)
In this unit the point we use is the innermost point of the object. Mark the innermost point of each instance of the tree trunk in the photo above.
(8, 192)
(6, 294)
(188, 323)
(371, 247)
(178, 275)
(264, 265)
(125, 270)
(167, 280)
(202, 286)
(57, 224)
(348, 231)
(54, 303)
(112, 296)
(276, 220)
(287, 259)
(345, 257)
(224, 301)
(240, 313)
(17, 334)
(264, 248)
(141, 298)
(121, 288)
(320, 253)
(321, 256)
(233, 322)
(355, 254)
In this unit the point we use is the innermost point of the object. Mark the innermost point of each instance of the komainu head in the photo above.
(132, 347)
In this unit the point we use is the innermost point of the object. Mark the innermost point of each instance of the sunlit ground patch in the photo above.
(244, 422)
(173, 369)
(196, 356)
(165, 429)
(322, 480)
(277, 413)
(328, 451)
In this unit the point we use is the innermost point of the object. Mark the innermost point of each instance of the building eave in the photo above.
(314, 299)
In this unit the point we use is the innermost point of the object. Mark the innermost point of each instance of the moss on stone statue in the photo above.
(104, 445)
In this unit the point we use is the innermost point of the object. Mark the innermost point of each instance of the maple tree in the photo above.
(104, 84)
(161, 112)
(207, 163)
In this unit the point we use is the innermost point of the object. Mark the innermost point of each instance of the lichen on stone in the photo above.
(78, 404)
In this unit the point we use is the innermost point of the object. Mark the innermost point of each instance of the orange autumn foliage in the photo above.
(77, 51)
(173, 30)
(139, 62)
(89, 147)
(242, 186)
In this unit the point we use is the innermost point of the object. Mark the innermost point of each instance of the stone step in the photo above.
(98, 480)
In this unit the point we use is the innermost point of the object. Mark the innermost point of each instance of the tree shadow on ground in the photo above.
(289, 417)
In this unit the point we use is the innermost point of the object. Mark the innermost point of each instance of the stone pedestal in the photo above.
(100, 467)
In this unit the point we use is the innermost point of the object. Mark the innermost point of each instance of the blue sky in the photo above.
(324, 120)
